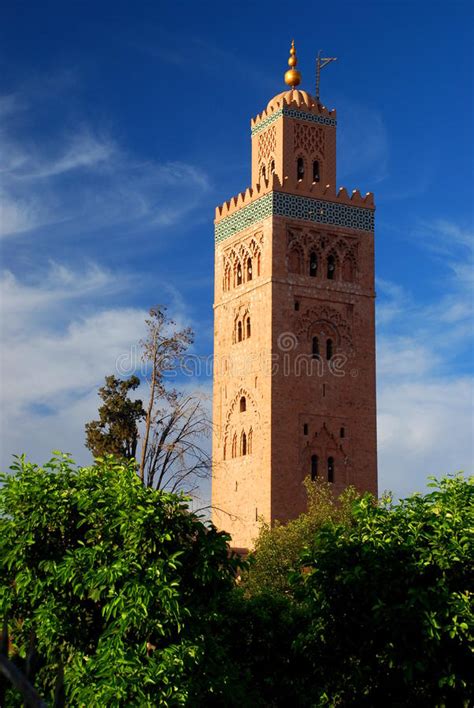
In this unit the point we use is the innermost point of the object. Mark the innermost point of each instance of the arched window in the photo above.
(342, 433)
(264, 173)
(330, 469)
(234, 445)
(315, 171)
(315, 347)
(314, 467)
(249, 328)
(329, 349)
(243, 444)
(249, 269)
(297, 305)
(331, 267)
(272, 166)
(239, 331)
(313, 264)
(250, 442)
(239, 274)
(258, 263)
(299, 169)
(243, 404)
(305, 428)
(227, 278)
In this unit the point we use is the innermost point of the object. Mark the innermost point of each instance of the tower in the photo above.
(294, 324)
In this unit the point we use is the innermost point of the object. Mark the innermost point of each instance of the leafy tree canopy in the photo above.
(106, 584)
(388, 601)
(116, 431)
(278, 548)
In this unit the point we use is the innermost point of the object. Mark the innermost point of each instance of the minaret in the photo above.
(294, 332)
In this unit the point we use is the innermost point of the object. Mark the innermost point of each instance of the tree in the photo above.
(278, 548)
(176, 458)
(389, 602)
(249, 658)
(107, 585)
(116, 431)
(161, 348)
(174, 453)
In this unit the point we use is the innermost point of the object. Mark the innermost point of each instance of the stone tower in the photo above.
(294, 328)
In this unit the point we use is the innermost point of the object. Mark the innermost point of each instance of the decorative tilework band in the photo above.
(292, 113)
(293, 206)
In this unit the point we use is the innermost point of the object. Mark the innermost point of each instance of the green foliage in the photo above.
(109, 581)
(389, 602)
(131, 600)
(116, 431)
(278, 548)
(249, 658)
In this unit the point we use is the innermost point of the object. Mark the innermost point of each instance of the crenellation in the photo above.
(294, 100)
(274, 185)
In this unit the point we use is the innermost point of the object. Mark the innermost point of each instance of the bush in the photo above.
(389, 602)
(117, 595)
(249, 659)
(106, 584)
(278, 548)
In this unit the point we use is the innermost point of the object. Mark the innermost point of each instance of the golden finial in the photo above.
(292, 76)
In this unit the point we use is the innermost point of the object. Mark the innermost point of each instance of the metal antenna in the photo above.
(321, 62)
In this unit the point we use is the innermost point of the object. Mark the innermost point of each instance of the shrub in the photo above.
(106, 584)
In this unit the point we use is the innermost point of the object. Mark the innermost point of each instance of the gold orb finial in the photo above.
(292, 76)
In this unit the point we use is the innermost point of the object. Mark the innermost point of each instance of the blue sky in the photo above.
(124, 124)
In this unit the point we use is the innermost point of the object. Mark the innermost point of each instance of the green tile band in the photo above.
(292, 113)
(293, 206)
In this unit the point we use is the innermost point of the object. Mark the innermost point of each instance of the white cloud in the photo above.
(23, 299)
(453, 245)
(424, 428)
(84, 180)
(53, 359)
(393, 303)
(51, 367)
(425, 411)
(444, 236)
(81, 150)
(20, 214)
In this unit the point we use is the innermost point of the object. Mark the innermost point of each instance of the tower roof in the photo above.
(293, 97)
(301, 98)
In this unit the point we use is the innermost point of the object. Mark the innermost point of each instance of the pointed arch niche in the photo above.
(241, 424)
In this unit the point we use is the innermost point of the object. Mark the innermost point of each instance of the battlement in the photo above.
(253, 206)
(269, 184)
(296, 104)
(273, 184)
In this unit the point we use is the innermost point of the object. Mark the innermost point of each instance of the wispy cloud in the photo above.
(60, 337)
(51, 289)
(82, 150)
(425, 400)
(55, 354)
(84, 180)
(452, 243)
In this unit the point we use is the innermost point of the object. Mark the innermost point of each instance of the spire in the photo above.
(292, 76)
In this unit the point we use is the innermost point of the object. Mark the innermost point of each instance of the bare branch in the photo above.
(21, 683)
